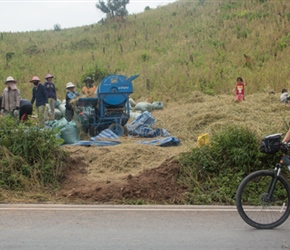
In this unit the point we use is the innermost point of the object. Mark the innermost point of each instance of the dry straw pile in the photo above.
(185, 120)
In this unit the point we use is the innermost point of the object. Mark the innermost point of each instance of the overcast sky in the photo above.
(34, 15)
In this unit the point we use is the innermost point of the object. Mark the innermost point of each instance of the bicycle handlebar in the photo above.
(285, 146)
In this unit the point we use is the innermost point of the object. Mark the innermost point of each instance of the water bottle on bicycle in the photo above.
(263, 197)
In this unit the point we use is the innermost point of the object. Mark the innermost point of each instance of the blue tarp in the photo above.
(106, 138)
(141, 127)
(96, 143)
(105, 134)
(163, 142)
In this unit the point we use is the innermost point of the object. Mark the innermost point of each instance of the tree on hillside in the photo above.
(113, 7)
(57, 27)
(147, 8)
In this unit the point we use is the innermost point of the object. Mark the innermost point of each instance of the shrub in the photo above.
(213, 172)
(30, 156)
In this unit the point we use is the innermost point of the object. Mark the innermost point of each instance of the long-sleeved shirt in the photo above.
(50, 88)
(10, 99)
(39, 94)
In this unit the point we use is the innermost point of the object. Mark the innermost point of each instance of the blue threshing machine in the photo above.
(110, 109)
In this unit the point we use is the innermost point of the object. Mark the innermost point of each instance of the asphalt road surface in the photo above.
(132, 228)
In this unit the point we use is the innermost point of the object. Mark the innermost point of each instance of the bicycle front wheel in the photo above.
(254, 204)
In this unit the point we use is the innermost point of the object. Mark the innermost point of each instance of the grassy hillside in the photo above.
(176, 49)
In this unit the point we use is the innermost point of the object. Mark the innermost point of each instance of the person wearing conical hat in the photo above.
(39, 95)
(89, 90)
(11, 99)
(51, 94)
(70, 95)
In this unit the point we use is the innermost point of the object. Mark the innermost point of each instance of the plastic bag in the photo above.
(70, 133)
(143, 106)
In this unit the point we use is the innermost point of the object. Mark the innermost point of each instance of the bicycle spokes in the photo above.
(263, 198)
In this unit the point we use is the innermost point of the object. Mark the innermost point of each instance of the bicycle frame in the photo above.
(285, 160)
(273, 182)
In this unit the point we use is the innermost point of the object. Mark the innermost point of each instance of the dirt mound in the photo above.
(157, 185)
(130, 171)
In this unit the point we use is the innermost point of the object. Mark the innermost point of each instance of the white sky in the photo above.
(34, 15)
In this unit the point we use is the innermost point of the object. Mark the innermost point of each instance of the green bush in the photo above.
(213, 172)
(30, 156)
(98, 73)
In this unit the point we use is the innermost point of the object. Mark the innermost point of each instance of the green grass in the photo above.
(184, 46)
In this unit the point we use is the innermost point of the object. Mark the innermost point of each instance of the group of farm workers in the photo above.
(11, 103)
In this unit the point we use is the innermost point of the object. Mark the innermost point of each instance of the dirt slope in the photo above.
(136, 173)
(129, 172)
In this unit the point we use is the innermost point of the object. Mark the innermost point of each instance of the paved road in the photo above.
(132, 228)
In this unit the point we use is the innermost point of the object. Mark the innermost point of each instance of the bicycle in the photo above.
(263, 197)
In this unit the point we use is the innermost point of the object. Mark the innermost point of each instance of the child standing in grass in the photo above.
(240, 89)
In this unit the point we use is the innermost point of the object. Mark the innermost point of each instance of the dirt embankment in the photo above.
(129, 182)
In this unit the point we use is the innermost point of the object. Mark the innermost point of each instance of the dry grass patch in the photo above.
(261, 113)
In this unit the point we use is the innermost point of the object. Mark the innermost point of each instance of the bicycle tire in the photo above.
(252, 204)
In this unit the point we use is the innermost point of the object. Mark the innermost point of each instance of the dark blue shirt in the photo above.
(25, 107)
(39, 95)
(50, 89)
